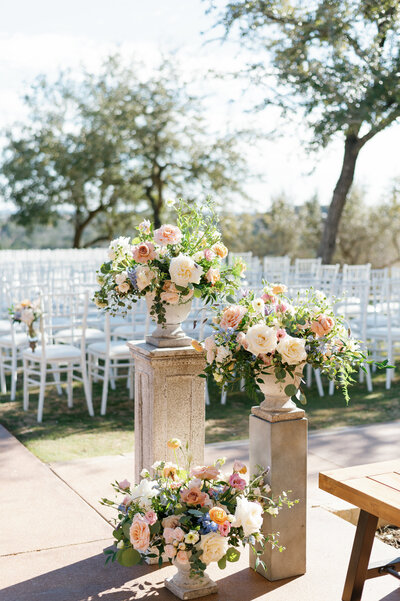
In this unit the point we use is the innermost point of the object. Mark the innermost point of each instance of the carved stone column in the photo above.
(169, 403)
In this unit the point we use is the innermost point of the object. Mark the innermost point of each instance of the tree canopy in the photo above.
(335, 61)
(99, 146)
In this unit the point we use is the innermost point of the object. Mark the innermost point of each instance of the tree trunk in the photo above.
(77, 236)
(328, 241)
(156, 217)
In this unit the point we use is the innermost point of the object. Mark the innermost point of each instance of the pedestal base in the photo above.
(169, 342)
(169, 403)
(280, 442)
(208, 587)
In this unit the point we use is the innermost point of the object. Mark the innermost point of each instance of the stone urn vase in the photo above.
(276, 397)
(185, 586)
(170, 333)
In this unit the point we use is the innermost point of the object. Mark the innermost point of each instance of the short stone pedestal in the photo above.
(279, 440)
(169, 403)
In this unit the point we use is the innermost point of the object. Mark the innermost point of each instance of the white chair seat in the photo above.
(69, 334)
(54, 352)
(21, 339)
(117, 349)
(128, 332)
(4, 326)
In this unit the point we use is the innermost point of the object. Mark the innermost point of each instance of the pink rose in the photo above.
(171, 521)
(205, 472)
(124, 484)
(213, 275)
(281, 333)
(241, 340)
(139, 534)
(168, 535)
(209, 254)
(150, 517)
(232, 316)
(266, 359)
(268, 298)
(281, 307)
(170, 551)
(179, 534)
(144, 252)
(322, 325)
(168, 234)
(224, 528)
(237, 482)
(182, 557)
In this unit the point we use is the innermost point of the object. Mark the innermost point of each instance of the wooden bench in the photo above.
(375, 489)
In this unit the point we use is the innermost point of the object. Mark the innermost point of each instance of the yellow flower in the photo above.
(174, 443)
(197, 346)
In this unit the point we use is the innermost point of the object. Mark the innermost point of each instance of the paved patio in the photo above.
(53, 530)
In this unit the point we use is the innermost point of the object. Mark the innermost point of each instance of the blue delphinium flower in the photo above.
(207, 525)
(132, 277)
(122, 508)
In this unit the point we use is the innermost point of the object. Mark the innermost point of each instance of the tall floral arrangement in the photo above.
(29, 313)
(191, 515)
(272, 334)
(174, 263)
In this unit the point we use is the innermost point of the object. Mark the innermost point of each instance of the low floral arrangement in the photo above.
(173, 263)
(192, 516)
(28, 313)
(274, 334)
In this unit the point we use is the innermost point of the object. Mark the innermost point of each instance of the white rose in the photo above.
(120, 277)
(249, 515)
(214, 547)
(222, 354)
(292, 350)
(184, 270)
(144, 276)
(258, 305)
(261, 339)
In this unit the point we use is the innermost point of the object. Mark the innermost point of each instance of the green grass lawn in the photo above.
(67, 434)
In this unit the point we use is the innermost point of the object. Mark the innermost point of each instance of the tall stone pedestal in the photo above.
(169, 403)
(279, 440)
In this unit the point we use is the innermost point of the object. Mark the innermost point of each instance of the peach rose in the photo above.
(170, 551)
(123, 288)
(179, 534)
(150, 517)
(170, 471)
(213, 275)
(144, 252)
(168, 234)
(208, 254)
(278, 288)
(172, 298)
(194, 496)
(171, 521)
(266, 359)
(205, 472)
(220, 249)
(322, 325)
(218, 515)
(139, 534)
(241, 340)
(232, 316)
(182, 557)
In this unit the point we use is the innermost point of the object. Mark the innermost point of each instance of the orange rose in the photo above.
(322, 325)
(194, 496)
(278, 288)
(139, 534)
(232, 316)
(218, 515)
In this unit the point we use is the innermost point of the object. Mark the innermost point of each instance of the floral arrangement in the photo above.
(274, 334)
(28, 313)
(192, 515)
(173, 263)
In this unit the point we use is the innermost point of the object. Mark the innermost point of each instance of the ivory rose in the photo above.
(183, 271)
(232, 316)
(261, 339)
(220, 249)
(139, 534)
(144, 252)
(167, 234)
(249, 515)
(205, 472)
(194, 496)
(213, 275)
(214, 547)
(144, 276)
(223, 354)
(322, 325)
(292, 350)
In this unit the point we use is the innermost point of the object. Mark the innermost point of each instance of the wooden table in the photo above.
(375, 489)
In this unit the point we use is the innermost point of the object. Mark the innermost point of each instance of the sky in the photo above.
(45, 36)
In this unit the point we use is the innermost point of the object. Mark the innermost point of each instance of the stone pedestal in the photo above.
(169, 403)
(279, 440)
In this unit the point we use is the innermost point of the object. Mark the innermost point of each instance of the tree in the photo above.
(336, 61)
(101, 146)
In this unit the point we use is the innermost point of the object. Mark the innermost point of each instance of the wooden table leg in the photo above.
(358, 564)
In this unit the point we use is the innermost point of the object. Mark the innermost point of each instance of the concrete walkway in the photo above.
(53, 530)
